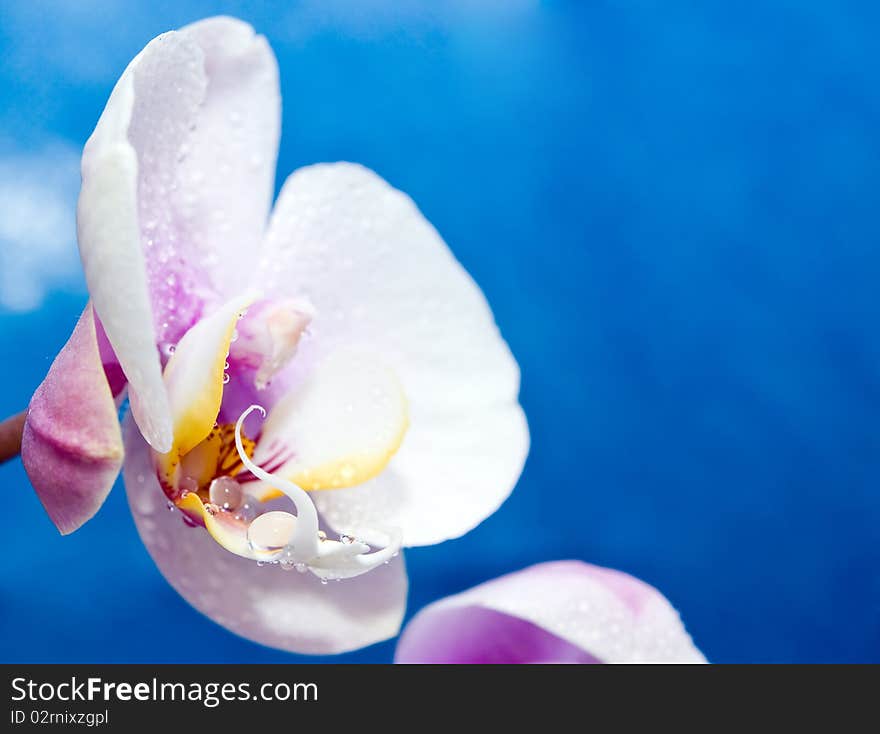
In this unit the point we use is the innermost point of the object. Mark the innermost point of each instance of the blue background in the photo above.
(673, 210)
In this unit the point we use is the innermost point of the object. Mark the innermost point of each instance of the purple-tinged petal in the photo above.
(112, 368)
(283, 609)
(268, 337)
(564, 611)
(477, 635)
(72, 444)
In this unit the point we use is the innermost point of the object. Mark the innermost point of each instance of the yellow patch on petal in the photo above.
(222, 526)
(216, 456)
(341, 427)
(350, 471)
(231, 536)
(346, 472)
(201, 462)
(194, 378)
(195, 374)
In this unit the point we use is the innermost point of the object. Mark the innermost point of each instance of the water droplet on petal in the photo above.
(248, 509)
(226, 492)
(286, 560)
(271, 531)
(187, 485)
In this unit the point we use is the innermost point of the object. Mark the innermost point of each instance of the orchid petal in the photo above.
(156, 232)
(379, 275)
(194, 377)
(107, 230)
(342, 425)
(564, 611)
(268, 337)
(282, 609)
(228, 169)
(72, 445)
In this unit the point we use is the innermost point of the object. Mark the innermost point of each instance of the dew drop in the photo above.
(187, 485)
(226, 493)
(271, 531)
(225, 378)
(286, 560)
(248, 510)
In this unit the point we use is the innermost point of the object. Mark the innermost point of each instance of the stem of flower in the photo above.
(10, 436)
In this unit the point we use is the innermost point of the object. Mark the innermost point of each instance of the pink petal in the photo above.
(282, 609)
(112, 368)
(565, 611)
(72, 444)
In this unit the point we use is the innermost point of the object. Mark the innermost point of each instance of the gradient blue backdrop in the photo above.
(673, 210)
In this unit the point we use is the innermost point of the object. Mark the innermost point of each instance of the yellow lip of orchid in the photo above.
(308, 548)
(339, 428)
(302, 545)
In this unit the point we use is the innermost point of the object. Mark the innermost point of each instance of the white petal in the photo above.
(609, 615)
(282, 609)
(229, 166)
(177, 181)
(109, 243)
(379, 275)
